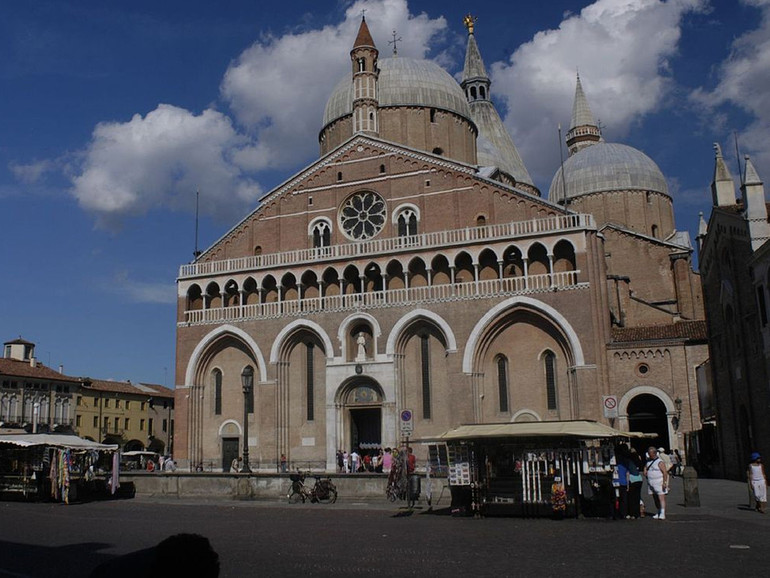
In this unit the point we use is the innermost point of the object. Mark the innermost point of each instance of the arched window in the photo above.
(425, 361)
(481, 221)
(361, 65)
(549, 362)
(309, 381)
(321, 234)
(216, 378)
(502, 382)
(655, 231)
(407, 223)
(473, 93)
(482, 92)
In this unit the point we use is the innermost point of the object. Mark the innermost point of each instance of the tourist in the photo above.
(345, 462)
(355, 461)
(635, 479)
(387, 461)
(758, 481)
(235, 465)
(620, 482)
(657, 481)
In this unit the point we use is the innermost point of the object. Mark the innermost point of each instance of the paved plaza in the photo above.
(722, 537)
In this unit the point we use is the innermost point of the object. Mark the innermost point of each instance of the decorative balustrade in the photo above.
(504, 231)
(390, 298)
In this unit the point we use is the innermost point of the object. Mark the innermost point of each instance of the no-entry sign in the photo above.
(610, 404)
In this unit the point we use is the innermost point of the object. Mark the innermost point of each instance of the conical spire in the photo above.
(474, 65)
(364, 37)
(583, 130)
(722, 187)
(751, 177)
(581, 112)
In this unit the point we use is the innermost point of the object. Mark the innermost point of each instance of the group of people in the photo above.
(164, 464)
(630, 472)
(379, 462)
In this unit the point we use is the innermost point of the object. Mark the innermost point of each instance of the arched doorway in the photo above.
(363, 417)
(647, 413)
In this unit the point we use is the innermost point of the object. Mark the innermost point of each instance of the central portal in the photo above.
(365, 429)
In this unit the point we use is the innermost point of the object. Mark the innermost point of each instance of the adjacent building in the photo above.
(734, 267)
(414, 273)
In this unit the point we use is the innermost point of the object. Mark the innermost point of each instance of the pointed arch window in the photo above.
(502, 382)
(549, 362)
(425, 362)
(321, 234)
(309, 382)
(216, 379)
(407, 223)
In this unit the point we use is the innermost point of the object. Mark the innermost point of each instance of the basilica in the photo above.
(413, 278)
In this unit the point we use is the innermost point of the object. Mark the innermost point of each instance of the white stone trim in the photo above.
(526, 411)
(539, 306)
(227, 422)
(291, 327)
(213, 336)
(449, 335)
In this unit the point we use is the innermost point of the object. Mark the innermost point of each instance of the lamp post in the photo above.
(247, 381)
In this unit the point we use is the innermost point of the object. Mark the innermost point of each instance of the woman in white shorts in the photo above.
(657, 481)
(758, 481)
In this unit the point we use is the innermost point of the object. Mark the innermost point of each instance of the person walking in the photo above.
(758, 480)
(657, 481)
(387, 461)
(635, 479)
(345, 462)
(620, 482)
(355, 461)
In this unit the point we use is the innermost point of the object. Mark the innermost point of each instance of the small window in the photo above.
(128, 404)
(321, 234)
(141, 425)
(258, 250)
(126, 423)
(339, 176)
(407, 223)
(433, 115)
(107, 403)
(117, 404)
(502, 382)
(310, 201)
(642, 369)
(78, 421)
(438, 151)
(481, 221)
(96, 421)
(382, 169)
(549, 360)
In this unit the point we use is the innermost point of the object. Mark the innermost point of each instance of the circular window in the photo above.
(643, 369)
(363, 215)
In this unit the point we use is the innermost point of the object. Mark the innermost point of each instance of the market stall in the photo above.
(39, 466)
(556, 468)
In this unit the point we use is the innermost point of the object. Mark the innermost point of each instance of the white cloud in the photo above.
(160, 160)
(622, 50)
(31, 173)
(143, 292)
(744, 81)
(279, 86)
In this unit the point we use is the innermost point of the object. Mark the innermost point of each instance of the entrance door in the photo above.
(365, 429)
(229, 452)
(647, 413)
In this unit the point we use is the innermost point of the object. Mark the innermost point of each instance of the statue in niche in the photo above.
(361, 341)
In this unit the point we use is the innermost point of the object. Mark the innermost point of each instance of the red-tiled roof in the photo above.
(18, 368)
(687, 330)
(131, 388)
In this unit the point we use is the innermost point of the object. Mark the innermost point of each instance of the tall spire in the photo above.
(494, 144)
(583, 130)
(365, 77)
(722, 186)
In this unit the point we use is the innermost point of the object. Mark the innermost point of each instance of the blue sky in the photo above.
(114, 113)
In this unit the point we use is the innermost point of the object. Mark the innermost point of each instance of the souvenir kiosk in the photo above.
(554, 468)
(56, 466)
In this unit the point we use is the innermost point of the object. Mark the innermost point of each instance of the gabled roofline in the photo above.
(644, 237)
(359, 139)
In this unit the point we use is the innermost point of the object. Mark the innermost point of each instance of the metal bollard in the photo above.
(690, 481)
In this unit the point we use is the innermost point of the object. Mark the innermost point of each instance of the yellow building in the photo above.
(136, 416)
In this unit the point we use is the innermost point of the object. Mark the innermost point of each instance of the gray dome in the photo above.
(607, 167)
(403, 82)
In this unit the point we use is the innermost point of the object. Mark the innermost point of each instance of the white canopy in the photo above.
(55, 440)
(578, 429)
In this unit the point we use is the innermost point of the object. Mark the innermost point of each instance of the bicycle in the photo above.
(323, 491)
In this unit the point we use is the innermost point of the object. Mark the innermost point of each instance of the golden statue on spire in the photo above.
(469, 21)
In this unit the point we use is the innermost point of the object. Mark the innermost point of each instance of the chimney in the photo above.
(61, 369)
(32, 362)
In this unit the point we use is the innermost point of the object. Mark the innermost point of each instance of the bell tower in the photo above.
(365, 74)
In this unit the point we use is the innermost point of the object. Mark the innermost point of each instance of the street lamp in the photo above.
(247, 381)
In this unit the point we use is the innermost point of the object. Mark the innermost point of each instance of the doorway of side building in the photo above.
(229, 452)
(647, 413)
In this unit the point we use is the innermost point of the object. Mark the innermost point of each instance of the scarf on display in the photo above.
(59, 474)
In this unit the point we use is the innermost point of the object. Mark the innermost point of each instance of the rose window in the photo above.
(363, 215)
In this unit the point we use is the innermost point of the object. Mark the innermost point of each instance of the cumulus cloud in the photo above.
(744, 81)
(278, 87)
(160, 160)
(622, 50)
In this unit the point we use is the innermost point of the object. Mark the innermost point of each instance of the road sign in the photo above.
(406, 423)
(610, 404)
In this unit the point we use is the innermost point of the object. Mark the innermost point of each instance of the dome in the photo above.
(607, 167)
(403, 82)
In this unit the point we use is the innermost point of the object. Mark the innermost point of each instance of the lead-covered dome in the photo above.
(607, 167)
(403, 82)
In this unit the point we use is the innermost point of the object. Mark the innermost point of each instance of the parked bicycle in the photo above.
(323, 491)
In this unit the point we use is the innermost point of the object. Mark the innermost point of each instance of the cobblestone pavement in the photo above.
(721, 538)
